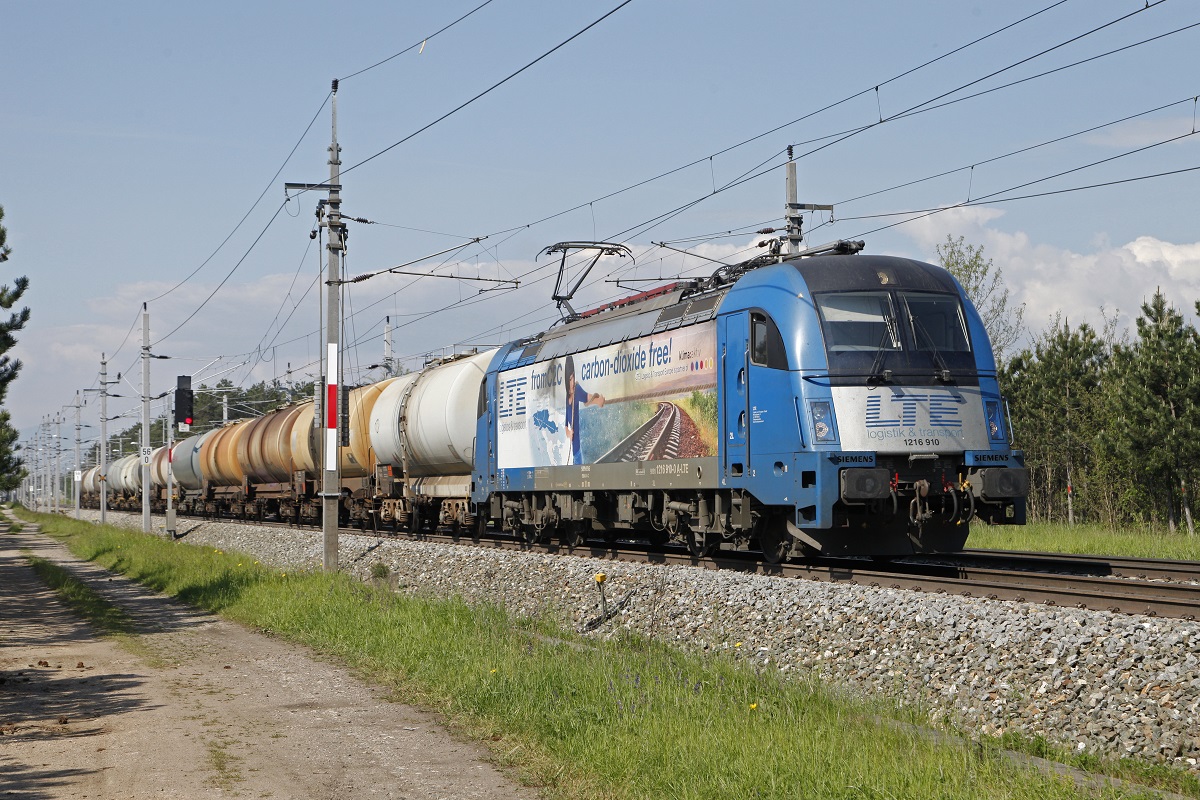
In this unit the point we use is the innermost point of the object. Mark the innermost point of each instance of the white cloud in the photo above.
(1052, 280)
(1140, 132)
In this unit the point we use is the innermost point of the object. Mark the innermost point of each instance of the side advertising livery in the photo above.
(646, 399)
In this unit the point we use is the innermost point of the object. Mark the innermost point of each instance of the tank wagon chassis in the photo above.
(831, 404)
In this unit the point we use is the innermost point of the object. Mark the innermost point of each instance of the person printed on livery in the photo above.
(576, 394)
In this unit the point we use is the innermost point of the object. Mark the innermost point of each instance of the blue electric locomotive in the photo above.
(830, 403)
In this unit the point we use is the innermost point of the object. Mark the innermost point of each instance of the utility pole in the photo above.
(47, 464)
(792, 209)
(103, 482)
(170, 443)
(331, 220)
(78, 463)
(146, 449)
(388, 358)
(57, 460)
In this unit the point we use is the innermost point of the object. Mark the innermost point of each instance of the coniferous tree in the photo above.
(1154, 397)
(1052, 388)
(11, 470)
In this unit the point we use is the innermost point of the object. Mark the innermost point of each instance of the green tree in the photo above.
(1053, 388)
(11, 470)
(1154, 398)
(984, 284)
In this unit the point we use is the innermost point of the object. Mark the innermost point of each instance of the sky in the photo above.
(144, 148)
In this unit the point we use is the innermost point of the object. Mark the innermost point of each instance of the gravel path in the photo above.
(198, 707)
(1113, 684)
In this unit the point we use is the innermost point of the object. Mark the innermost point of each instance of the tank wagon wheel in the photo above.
(773, 539)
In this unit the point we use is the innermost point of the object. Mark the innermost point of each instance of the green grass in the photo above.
(102, 615)
(1085, 539)
(630, 718)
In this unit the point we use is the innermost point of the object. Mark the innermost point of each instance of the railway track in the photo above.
(655, 440)
(1112, 566)
(1100, 587)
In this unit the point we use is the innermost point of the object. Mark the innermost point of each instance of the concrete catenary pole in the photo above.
(331, 482)
(57, 461)
(103, 482)
(328, 412)
(78, 462)
(389, 357)
(145, 445)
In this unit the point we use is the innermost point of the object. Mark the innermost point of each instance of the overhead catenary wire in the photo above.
(927, 101)
(415, 45)
(224, 280)
(492, 88)
(253, 206)
(1018, 151)
(674, 212)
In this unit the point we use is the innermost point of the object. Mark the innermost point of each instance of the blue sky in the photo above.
(135, 136)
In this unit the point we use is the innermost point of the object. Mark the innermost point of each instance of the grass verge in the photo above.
(1085, 540)
(99, 613)
(630, 718)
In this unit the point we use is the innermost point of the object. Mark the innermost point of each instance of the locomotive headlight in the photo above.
(824, 427)
(995, 421)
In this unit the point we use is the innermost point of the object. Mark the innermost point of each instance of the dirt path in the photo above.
(198, 707)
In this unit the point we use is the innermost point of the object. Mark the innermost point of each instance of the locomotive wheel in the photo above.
(573, 534)
(531, 534)
(700, 543)
(773, 540)
(479, 528)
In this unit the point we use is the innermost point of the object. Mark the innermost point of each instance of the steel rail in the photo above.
(1117, 595)
(1116, 566)
(1112, 594)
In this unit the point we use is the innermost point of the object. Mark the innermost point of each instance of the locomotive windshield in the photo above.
(903, 333)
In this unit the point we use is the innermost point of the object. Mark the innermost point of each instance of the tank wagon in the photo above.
(840, 404)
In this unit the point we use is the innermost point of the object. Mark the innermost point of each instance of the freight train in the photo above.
(828, 403)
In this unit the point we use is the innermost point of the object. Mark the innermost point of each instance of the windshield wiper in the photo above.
(942, 373)
(874, 376)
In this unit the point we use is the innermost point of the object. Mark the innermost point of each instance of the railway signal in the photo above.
(183, 402)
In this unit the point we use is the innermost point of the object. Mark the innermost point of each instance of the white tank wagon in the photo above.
(158, 468)
(90, 482)
(186, 465)
(423, 427)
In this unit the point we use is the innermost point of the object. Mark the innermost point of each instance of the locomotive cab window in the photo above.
(883, 335)
(766, 343)
(936, 322)
(859, 321)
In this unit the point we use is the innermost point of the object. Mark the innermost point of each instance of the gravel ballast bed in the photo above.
(1111, 684)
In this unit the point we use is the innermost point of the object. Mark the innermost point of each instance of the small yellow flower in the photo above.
(753, 706)
(739, 644)
(239, 563)
(493, 672)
